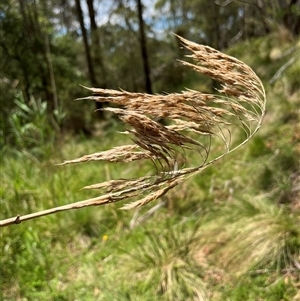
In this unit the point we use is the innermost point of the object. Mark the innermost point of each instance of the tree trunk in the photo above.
(86, 45)
(65, 15)
(51, 73)
(88, 55)
(44, 49)
(262, 9)
(217, 43)
(41, 49)
(96, 47)
(291, 19)
(144, 48)
(25, 83)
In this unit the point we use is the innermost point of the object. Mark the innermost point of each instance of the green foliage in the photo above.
(30, 126)
(246, 247)
(165, 263)
(252, 234)
(253, 287)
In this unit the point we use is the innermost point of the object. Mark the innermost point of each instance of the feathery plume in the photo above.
(196, 122)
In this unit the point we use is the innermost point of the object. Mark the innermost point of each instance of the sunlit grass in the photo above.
(164, 261)
(66, 255)
(254, 233)
(244, 246)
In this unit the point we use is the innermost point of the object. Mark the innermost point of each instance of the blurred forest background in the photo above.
(232, 234)
(48, 48)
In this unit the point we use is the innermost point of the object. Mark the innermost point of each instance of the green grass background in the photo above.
(231, 233)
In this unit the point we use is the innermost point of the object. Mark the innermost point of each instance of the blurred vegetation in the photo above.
(230, 234)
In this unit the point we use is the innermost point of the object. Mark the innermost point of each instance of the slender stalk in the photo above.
(198, 121)
(81, 204)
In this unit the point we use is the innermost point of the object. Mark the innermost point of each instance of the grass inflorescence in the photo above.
(229, 233)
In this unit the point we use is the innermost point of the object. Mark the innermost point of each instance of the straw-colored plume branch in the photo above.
(194, 123)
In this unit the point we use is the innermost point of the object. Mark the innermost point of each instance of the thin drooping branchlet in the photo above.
(196, 122)
(240, 102)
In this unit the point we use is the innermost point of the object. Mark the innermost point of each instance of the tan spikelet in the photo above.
(197, 122)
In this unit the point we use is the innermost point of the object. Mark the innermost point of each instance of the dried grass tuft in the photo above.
(196, 122)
